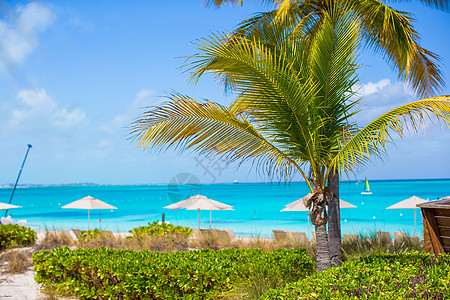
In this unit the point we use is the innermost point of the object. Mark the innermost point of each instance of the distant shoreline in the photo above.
(26, 185)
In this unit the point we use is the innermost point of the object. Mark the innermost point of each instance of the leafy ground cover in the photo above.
(12, 236)
(104, 273)
(412, 275)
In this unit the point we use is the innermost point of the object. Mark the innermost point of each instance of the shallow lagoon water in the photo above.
(257, 206)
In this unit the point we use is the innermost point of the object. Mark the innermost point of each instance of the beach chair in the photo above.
(399, 236)
(280, 235)
(223, 236)
(206, 233)
(211, 234)
(216, 233)
(297, 236)
(384, 236)
(230, 233)
(77, 233)
(350, 237)
(414, 239)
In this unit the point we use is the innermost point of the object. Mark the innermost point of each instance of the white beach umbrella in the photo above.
(410, 203)
(8, 206)
(345, 204)
(299, 206)
(89, 203)
(199, 202)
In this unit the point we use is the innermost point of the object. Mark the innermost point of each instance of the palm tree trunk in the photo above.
(334, 221)
(323, 253)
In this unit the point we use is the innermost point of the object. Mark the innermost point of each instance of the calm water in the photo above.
(257, 206)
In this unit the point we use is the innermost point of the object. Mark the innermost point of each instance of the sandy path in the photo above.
(20, 286)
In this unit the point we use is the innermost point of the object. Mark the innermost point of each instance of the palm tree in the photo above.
(292, 115)
(383, 29)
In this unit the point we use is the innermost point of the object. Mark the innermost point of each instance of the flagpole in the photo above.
(17, 180)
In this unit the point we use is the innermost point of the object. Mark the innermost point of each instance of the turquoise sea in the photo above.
(256, 206)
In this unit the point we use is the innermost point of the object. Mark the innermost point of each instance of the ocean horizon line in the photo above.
(80, 184)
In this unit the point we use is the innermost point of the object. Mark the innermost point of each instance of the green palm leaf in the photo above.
(293, 100)
(385, 30)
(209, 129)
(372, 139)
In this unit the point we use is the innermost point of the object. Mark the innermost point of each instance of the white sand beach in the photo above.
(20, 287)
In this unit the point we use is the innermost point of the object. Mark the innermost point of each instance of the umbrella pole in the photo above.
(415, 223)
(198, 218)
(209, 219)
(88, 218)
(307, 217)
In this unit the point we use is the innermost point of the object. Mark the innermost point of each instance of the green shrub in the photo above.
(126, 274)
(412, 275)
(157, 229)
(13, 236)
(87, 235)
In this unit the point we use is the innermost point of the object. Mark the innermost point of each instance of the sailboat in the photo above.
(367, 189)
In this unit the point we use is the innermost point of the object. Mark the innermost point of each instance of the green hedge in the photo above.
(157, 229)
(12, 236)
(104, 273)
(413, 275)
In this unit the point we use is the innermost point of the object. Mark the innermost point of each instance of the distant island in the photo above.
(11, 185)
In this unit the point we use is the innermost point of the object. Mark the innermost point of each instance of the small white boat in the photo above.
(235, 181)
(367, 189)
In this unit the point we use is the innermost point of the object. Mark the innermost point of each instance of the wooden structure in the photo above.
(436, 225)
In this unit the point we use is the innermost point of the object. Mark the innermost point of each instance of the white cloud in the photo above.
(414, 152)
(19, 34)
(380, 97)
(143, 99)
(38, 111)
(371, 87)
(33, 18)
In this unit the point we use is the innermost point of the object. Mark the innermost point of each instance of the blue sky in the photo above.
(74, 74)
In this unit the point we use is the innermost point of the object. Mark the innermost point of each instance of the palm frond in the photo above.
(275, 91)
(391, 33)
(372, 139)
(209, 129)
(386, 31)
(298, 97)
